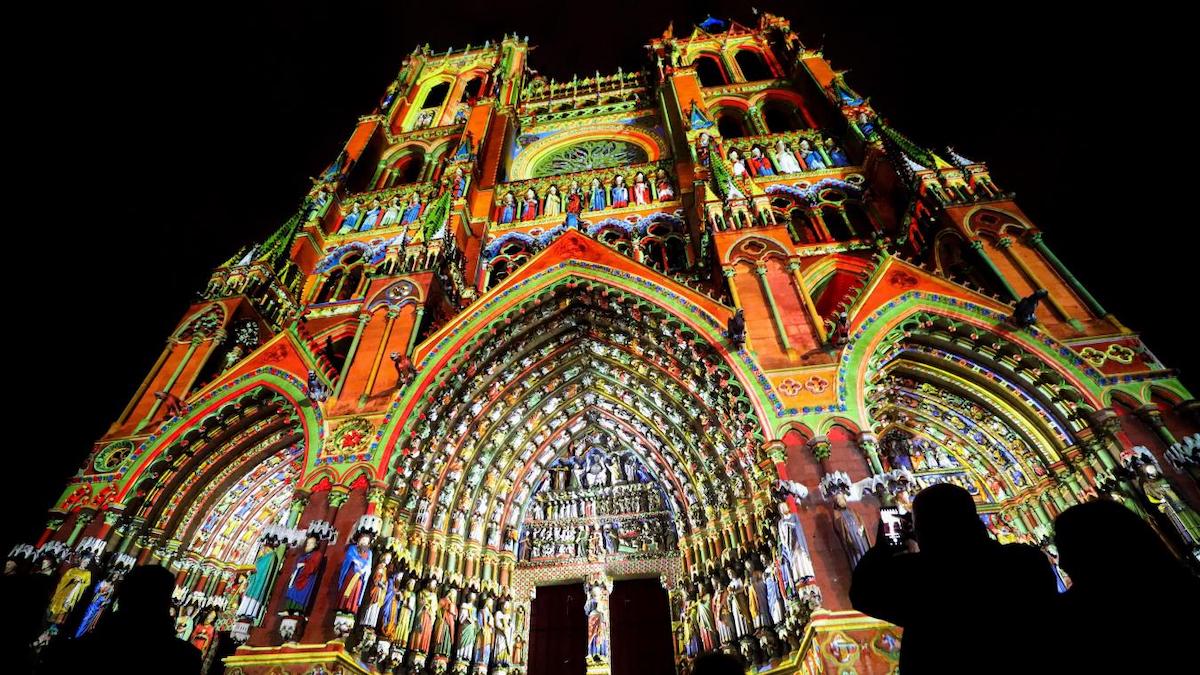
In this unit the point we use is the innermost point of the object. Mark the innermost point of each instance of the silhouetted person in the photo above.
(718, 663)
(967, 603)
(139, 637)
(1132, 605)
(25, 599)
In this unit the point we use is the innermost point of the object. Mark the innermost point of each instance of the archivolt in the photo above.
(576, 365)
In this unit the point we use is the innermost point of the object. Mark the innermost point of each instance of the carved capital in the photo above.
(1151, 415)
(867, 439)
(375, 495)
(1105, 420)
(300, 500)
(338, 497)
(777, 451)
(821, 448)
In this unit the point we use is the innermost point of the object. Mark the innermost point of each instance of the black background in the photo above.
(146, 144)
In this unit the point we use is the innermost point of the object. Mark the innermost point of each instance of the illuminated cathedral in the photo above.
(597, 375)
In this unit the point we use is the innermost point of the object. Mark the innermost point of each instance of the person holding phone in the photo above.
(954, 589)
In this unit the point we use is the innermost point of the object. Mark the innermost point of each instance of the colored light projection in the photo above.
(230, 531)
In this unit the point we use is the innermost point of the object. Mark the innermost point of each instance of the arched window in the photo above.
(332, 282)
(753, 66)
(782, 116)
(802, 229)
(676, 255)
(859, 220)
(731, 124)
(471, 91)
(407, 169)
(835, 222)
(510, 257)
(956, 262)
(350, 285)
(344, 281)
(654, 254)
(500, 270)
(436, 95)
(709, 72)
(617, 239)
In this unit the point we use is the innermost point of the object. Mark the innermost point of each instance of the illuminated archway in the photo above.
(586, 365)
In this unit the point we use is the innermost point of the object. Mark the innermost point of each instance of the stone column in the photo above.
(299, 501)
(1152, 417)
(416, 328)
(52, 526)
(977, 245)
(761, 271)
(363, 319)
(379, 352)
(869, 443)
(806, 299)
(1005, 244)
(84, 517)
(195, 342)
(1062, 271)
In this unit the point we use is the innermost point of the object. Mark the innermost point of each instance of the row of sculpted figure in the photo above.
(437, 625)
(754, 601)
(599, 195)
(383, 214)
(406, 618)
(630, 535)
(751, 605)
(622, 499)
(784, 157)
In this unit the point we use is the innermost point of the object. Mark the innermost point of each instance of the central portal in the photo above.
(563, 623)
(593, 528)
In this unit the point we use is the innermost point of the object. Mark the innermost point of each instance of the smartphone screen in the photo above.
(892, 527)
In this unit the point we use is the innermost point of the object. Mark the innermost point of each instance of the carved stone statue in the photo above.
(597, 627)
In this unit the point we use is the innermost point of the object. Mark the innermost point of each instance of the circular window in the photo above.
(599, 154)
(111, 457)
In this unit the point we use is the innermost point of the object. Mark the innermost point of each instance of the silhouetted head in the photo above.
(944, 519)
(1102, 541)
(718, 663)
(25, 600)
(145, 594)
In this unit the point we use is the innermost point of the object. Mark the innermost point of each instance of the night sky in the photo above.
(147, 147)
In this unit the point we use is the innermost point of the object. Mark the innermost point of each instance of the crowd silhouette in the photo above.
(139, 637)
(967, 603)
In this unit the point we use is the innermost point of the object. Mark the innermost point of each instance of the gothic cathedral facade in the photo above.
(694, 322)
